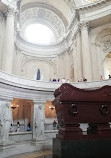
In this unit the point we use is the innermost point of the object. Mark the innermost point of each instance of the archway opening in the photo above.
(22, 112)
(107, 65)
(50, 116)
(39, 34)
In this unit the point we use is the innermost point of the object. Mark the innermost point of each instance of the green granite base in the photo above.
(82, 148)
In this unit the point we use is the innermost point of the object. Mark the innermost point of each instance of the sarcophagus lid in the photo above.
(83, 105)
(67, 92)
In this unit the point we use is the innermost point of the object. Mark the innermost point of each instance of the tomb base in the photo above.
(88, 148)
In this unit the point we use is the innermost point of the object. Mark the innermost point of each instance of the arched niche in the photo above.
(104, 40)
(107, 65)
(30, 68)
(50, 115)
(102, 49)
(22, 112)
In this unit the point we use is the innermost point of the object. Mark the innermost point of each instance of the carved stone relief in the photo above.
(104, 40)
(44, 14)
(107, 43)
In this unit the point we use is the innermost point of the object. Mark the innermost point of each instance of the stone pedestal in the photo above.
(81, 148)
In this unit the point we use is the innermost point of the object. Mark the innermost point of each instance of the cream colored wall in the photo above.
(70, 71)
(77, 57)
(100, 44)
(27, 66)
(2, 32)
(69, 64)
(65, 66)
(30, 69)
(62, 66)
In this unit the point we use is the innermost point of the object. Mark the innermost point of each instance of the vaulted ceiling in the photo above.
(55, 14)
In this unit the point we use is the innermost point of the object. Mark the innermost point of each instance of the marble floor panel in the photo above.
(41, 154)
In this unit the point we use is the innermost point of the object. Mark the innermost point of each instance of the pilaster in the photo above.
(7, 63)
(75, 60)
(79, 56)
(85, 51)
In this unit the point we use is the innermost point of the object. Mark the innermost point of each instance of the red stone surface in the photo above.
(74, 106)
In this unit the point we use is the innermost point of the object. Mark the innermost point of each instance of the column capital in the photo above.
(19, 3)
(10, 12)
(84, 25)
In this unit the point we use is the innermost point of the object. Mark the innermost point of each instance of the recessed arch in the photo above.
(32, 66)
(39, 34)
(107, 65)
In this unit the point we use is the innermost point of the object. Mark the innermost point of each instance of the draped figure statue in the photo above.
(5, 121)
(39, 123)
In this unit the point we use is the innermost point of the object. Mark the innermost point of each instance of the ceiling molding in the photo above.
(48, 7)
(93, 6)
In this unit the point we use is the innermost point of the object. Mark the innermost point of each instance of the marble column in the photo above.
(38, 122)
(100, 59)
(67, 65)
(87, 72)
(75, 60)
(9, 42)
(94, 62)
(79, 56)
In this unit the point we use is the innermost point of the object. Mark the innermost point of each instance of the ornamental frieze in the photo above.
(44, 14)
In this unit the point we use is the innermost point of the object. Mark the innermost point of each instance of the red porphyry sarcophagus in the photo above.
(75, 106)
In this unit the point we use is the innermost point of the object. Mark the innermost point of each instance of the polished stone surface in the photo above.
(41, 154)
(87, 148)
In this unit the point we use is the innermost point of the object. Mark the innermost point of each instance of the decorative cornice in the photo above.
(93, 6)
(36, 50)
(47, 7)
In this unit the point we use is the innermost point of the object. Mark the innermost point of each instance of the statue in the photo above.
(6, 120)
(39, 123)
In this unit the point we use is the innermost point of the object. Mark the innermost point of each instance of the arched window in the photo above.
(39, 34)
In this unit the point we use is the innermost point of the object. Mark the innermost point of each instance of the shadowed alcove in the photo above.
(50, 115)
(22, 112)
